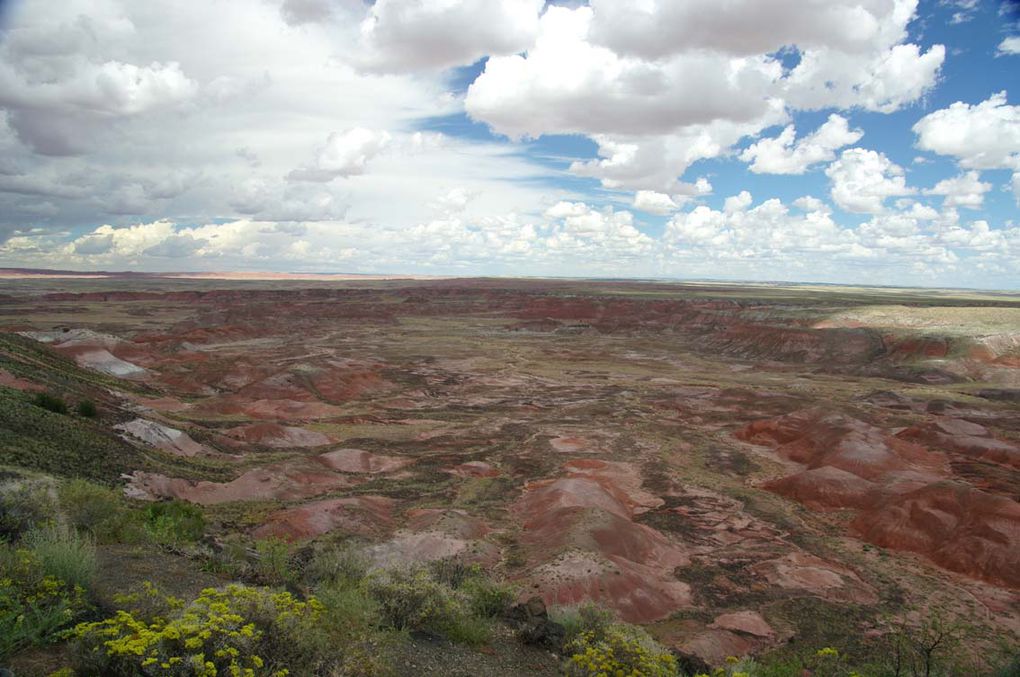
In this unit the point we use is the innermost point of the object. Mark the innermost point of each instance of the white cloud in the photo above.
(738, 202)
(965, 10)
(653, 30)
(965, 190)
(108, 117)
(454, 201)
(782, 155)
(411, 35)
(809, 203)
(862, 179)
(885, 83)
(1010, 45)
(654, 203)
(981, 136)
(344, 154)
(657, 94)
(58, 116)
(655, 162)
(566, 84)
(297, 12)
(124, 242)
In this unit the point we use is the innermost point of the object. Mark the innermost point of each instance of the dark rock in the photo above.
(547, 634)
(690, 664)
(531, 620)
(426, 636)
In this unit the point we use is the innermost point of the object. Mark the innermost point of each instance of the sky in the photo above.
(835, 141)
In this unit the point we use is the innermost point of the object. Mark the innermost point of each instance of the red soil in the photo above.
(819, 438)
(359, 461)
(286, 481)
(583, 521)
(11, 381)
(957, 526)
(895, 485)
(826, 488)
(279, 436)
(963, 437)
(368, 516)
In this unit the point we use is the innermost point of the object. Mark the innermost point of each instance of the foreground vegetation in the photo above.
(335, 614)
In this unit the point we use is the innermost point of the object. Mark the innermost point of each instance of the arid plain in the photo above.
(740, 469)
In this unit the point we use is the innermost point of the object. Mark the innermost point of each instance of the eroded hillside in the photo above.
(733, 467)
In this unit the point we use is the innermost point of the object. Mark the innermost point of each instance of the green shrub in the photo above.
(87, 408)
(34, 606)
(485, 597)
(584, 618)
(619, 649)
(231, 559)
(24, 504)
(272, 561)
(411, 598)
(488, 598)
(236, 630)
(453, 571)
(174, 522)
(351, 621)
(50, 403)
(349, 610)
(100, 511)
(338, 566)
(64, 554)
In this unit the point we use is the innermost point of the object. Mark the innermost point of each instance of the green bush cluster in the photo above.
(101, 512)
(50, 402)
(236, 630)
(418, 598)
(87, 409)
(34, 438)
(267, 563)
(64, 553)
(24, 503)
(174, 523)
(43, 586)
(618, 650)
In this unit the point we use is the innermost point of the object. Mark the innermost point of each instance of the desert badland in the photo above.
(741, 470)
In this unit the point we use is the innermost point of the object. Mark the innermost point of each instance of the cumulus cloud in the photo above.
(344, 154)
(980, 136)
(739, 231)
(566, 84)
(745, 27)
(401, 35)
(655, 162)
(784, 155)
(862, 179)
(965, 190)
(57, 113)
(657, 93)
(654, 203)
(124, 242)
(1010, 45)
(307, 140)
(176, 247)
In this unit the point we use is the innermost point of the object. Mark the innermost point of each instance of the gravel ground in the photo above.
(504, 656)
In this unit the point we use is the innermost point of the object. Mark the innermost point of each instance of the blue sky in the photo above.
(484, 137)
(974, 71)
